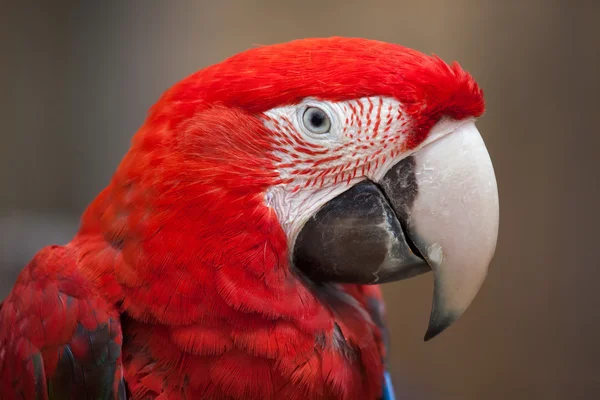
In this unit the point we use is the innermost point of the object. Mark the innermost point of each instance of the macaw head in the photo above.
(358, 161)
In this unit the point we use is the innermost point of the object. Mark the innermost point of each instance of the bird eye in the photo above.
(316, 120)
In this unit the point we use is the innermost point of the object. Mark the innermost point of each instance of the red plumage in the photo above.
(182, 244)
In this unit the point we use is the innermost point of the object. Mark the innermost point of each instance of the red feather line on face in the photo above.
(362, 144)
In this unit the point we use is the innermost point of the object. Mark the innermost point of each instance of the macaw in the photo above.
(237, 251)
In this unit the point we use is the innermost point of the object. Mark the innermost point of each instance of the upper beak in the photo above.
(453, 221)
(435, 210)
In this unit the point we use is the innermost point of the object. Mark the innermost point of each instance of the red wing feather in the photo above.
(58, 338)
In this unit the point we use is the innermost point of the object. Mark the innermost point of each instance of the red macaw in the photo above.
(235, 252)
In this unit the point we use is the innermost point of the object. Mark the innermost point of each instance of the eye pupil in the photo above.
(316, 120)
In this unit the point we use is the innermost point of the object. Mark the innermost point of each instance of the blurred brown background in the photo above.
(77, 79)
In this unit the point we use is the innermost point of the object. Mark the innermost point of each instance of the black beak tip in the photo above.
(432, 332)
(438, 324)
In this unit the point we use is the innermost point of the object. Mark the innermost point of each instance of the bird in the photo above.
(239, 248)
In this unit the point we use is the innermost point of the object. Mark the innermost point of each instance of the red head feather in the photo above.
(333, 69)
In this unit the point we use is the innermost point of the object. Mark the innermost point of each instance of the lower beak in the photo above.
(435, 210)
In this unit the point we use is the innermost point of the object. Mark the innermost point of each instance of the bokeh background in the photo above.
(77, 78)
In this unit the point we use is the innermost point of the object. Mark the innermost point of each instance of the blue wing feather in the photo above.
(388, 387)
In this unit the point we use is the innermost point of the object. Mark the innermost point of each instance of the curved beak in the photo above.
(435, 210)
